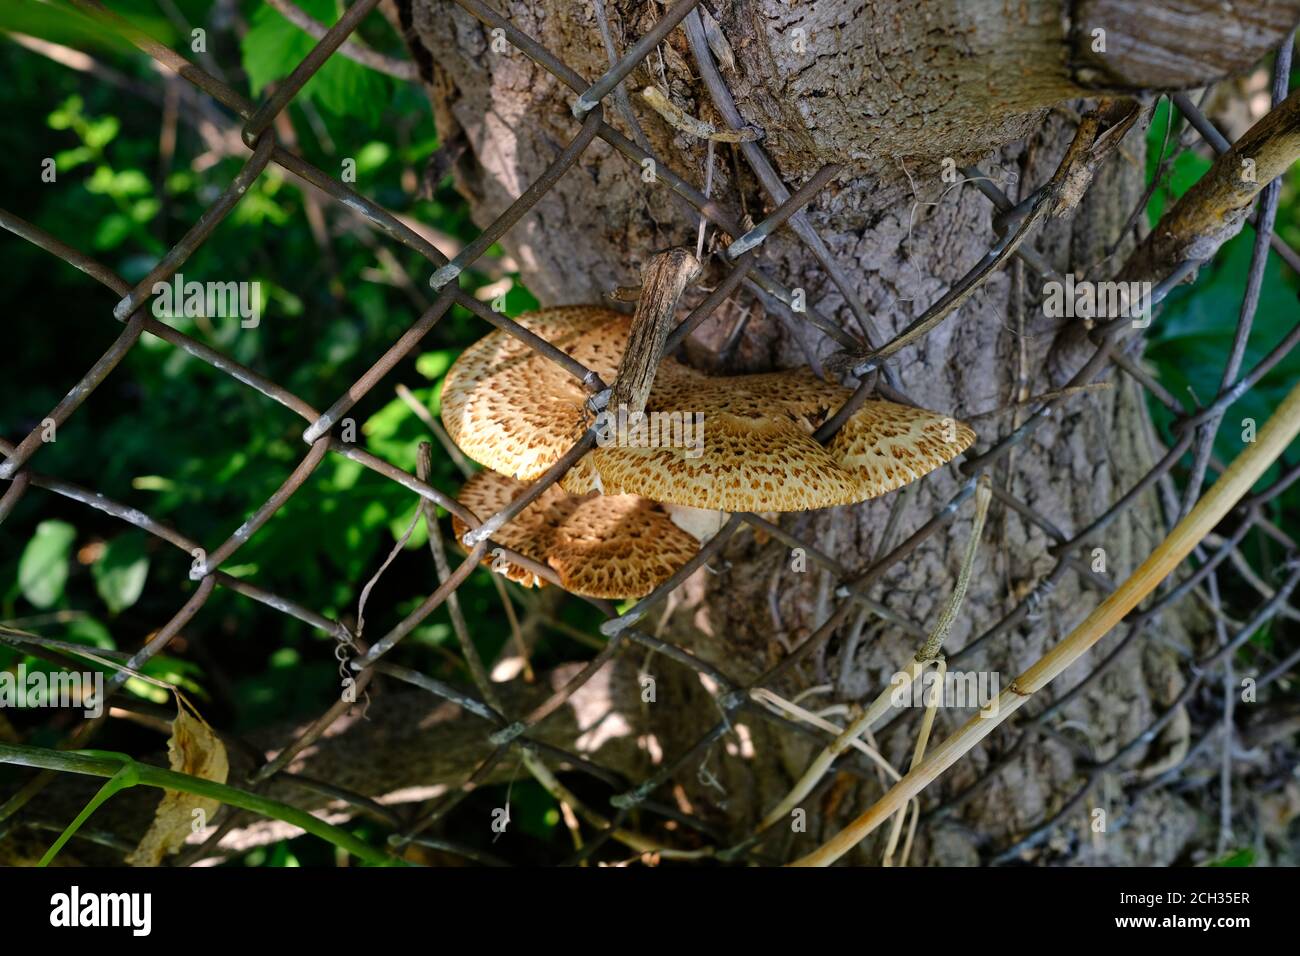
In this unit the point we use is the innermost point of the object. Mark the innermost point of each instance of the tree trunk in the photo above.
(889, 89)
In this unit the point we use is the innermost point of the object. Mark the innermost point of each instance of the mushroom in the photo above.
(601, 546)
(517, 412)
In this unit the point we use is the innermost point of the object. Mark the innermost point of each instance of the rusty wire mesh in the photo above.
(506, 732)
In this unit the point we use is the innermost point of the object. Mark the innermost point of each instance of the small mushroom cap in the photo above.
(604, 546)
(618, 546)
(530, 533)
(517, 412)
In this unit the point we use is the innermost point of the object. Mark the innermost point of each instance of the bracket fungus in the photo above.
(517, 413)
(601, 546)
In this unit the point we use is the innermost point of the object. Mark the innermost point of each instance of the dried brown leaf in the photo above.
(195, 750)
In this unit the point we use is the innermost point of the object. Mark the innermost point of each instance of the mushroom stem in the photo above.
(663, 280)
(700, 523)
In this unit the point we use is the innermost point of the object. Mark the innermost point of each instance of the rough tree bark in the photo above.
(889, 89)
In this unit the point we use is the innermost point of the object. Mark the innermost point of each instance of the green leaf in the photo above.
(1186, 169)
(69, 159)
(127, 183)
(100, 181)
(532, 809)
(100, 132)
(67, 113)
(43, 568)
(143, 210)
(131, 182)
(124, 779)
(273, 46)
(87, 630)
(433, 365)
(1244, 857)
(346, 88)
(372, 156)
(112, 232)
(121, 571)
(60, 24)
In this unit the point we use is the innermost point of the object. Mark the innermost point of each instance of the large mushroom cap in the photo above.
(603, 546)
(517, 412)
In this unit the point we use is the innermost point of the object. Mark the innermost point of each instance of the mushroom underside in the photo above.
(600, 546)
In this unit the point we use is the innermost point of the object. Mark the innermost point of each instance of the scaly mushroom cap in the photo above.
(517, 412)
(887, 445)
(604, 546)
(532, 530)
(618, 546)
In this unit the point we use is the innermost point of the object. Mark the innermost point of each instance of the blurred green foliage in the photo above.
(188, 445)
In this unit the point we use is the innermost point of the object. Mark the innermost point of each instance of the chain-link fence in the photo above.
(508, 734)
